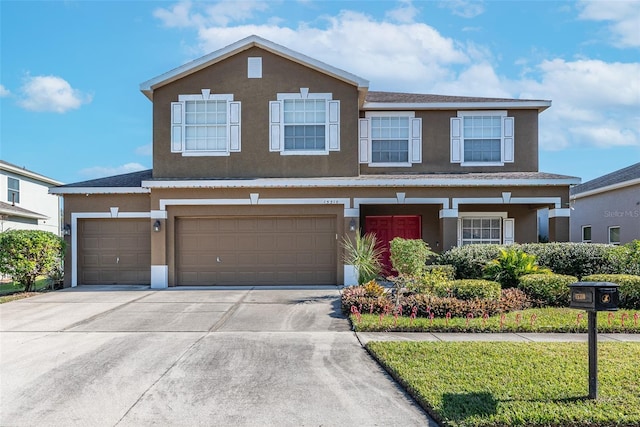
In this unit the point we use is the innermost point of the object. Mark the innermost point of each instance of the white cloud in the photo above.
(51, 93)
(4, 91)
(102, 171)
(405, 13)
(144, 150)
(464, 8)
(186, 14)
(623, 16)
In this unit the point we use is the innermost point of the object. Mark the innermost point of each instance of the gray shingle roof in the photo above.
(399, 97)
(133, 179)
(11, 210)
(625, 174)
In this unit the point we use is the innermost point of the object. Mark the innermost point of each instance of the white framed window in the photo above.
(304, 123)
(482, 138)
(390, 138)
(205, 125)
(614, 235)
(586, 234)
(13, 190)
(485, 227)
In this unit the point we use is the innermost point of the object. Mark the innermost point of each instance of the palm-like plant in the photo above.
(364, 254)
(510, 265)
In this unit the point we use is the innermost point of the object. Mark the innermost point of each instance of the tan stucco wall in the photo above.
(279, 75)
(436, 157)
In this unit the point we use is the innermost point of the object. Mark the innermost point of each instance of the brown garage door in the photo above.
(256, 251)
(114, 251)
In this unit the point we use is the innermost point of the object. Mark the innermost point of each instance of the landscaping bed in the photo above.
(516, 384)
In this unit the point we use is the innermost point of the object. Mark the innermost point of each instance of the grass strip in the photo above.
(531, 320)
(469, 384)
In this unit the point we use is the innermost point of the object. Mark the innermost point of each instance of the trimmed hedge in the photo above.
(626, 258)
(629, 287)
(448, 270)
(470, 260)
(468, 289)
(547, 289)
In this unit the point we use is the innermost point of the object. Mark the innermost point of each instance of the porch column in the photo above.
(351, 227)
(448, 229)
(159, 267)
(559, 225)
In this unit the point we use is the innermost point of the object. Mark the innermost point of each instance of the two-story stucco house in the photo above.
(607, 209)
(264, 159)
(25, 202)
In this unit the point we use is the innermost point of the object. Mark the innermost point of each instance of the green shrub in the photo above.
(625, 258)
(510, 265)
(547, 289)
(409, 256)
(573, 259)
(629, 289)
(365, 255)
(469, 260)
(468, 289)
(448, 270)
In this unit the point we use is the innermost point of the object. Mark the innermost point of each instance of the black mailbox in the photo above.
(596, 296)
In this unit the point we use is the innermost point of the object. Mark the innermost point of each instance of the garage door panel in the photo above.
(256, 250)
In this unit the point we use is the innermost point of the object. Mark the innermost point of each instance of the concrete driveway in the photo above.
(135, 356)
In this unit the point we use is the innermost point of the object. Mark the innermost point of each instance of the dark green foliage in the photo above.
(573, 259)
(409, 256)
(625, 258)
(27, 254)
(547, 289)
(469, 260)
(629, 287)
(510, 265)
(365, 255)
(467, 289)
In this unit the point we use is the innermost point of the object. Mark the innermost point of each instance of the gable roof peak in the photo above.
(241, 45)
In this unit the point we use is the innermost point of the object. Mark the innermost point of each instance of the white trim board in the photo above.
(99, 190)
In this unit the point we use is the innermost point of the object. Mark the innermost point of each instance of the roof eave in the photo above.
(98, 190)
(490, 105)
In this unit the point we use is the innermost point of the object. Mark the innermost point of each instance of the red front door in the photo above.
(389, 226)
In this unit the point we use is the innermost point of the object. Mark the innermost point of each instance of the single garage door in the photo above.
(114, 251)
(256, 251)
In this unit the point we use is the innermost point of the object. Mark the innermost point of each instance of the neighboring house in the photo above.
(607, 209)
(265, 159)
(25, 202)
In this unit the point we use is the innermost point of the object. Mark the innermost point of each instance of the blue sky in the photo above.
(71, 108)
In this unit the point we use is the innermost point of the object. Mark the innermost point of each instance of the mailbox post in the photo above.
(594, 297)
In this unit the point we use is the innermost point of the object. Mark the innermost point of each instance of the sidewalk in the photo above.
(365, 337)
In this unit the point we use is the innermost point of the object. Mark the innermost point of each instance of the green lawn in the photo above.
(13, 291)
(531, 320)
(517, 384)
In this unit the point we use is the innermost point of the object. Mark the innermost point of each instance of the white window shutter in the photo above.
(276, 137)
(508, 145)
(508, 231)
(365, 140)
(177, 126)
(416, 140)
(459, 232)
(456, 140)
(234, 125)
(333, 114)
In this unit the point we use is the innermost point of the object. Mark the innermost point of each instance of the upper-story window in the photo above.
(304, 123)
(13, 190)
(205, 125)
(390, 139)
(482, 138)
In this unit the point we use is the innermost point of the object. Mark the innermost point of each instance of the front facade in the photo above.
(264, 160)
(25, 202)
(607, 209)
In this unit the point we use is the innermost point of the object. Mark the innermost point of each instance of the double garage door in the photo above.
(256, 250)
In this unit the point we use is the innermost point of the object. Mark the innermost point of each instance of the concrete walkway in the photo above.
(178, 357)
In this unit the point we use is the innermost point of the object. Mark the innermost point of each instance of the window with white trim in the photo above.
(485, 227)
(390, 139)
(614, 235)
(205, 125)
(13, 190)
(304, 123)
(586, 234)
(482, 138)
